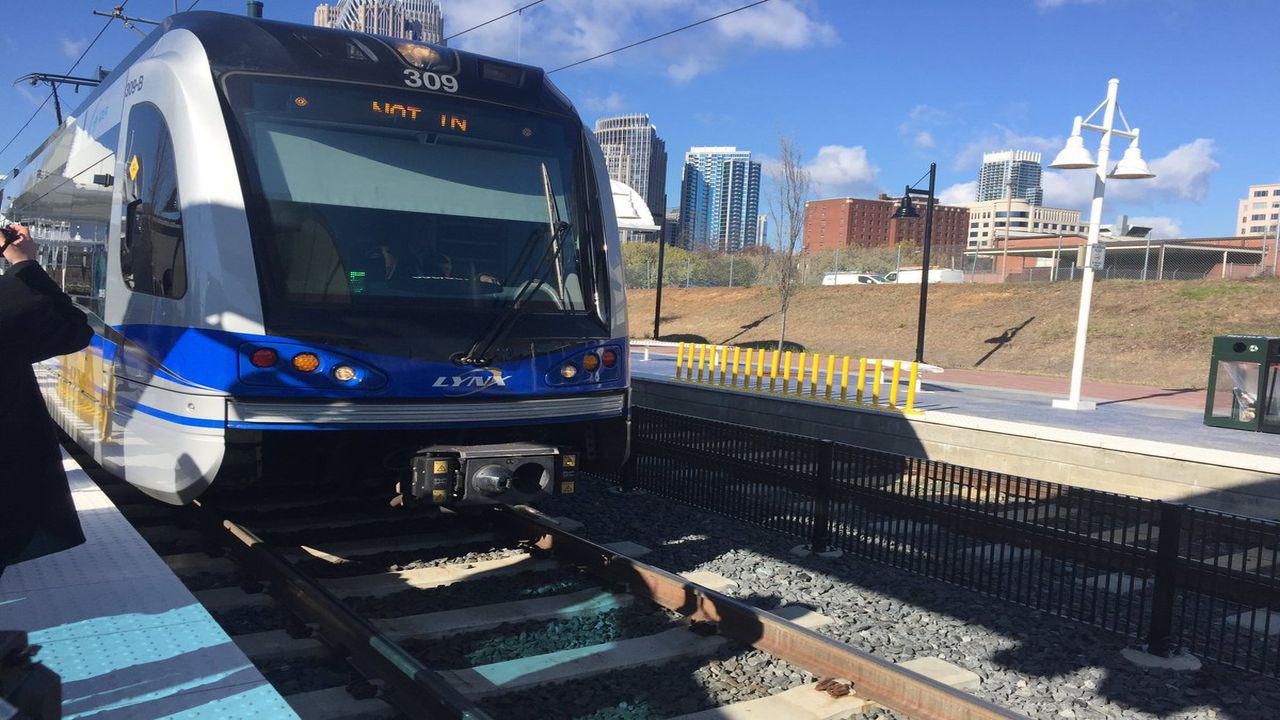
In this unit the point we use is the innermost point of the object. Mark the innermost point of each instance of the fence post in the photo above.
(1160, 639)
(821, 538)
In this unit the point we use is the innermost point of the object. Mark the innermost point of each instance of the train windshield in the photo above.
(371, 203)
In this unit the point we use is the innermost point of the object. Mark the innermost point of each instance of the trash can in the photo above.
(1244, 383)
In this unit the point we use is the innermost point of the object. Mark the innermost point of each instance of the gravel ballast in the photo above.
(1031, 662)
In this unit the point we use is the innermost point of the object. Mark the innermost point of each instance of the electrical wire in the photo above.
(73, 67)
(662, 35)
(491, 20)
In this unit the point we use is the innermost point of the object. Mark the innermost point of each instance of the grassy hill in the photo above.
(1152, 333)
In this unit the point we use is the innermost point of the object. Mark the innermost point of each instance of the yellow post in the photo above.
(862, 377)
(844, 379)
(831, 372)
(911, 386)
(724, 361)
(773, 370)
(893, 388)
(746, 370)
(813, 376)
(800, 375)
(786, 371)
(735, 366)
(702, 360)
(760, 369)
(879, 378)
(679, 359)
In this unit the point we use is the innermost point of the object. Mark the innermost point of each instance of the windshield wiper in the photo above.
(479, 352)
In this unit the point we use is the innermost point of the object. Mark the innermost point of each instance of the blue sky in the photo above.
(871, 91)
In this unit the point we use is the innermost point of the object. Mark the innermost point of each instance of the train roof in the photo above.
(238, 43)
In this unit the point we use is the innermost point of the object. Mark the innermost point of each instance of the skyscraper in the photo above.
(409, 19)
(719, 199)
(635, 155)
(1023, 166)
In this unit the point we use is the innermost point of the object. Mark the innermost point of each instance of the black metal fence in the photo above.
(1168, 574)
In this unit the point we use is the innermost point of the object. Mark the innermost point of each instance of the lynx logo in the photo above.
(472, 381)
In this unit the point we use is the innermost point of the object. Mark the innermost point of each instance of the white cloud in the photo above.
(1162, 228)
(1181, 176)
(1004, 138)
(1052, 4)
(611, 103)
(924, 139)
(554, 34)
(959, 193)
(72, 48)
(840, 169)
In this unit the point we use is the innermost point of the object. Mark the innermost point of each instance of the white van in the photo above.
(852, 278)
(936, 275)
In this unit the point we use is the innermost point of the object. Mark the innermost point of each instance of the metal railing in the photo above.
(1167, 574)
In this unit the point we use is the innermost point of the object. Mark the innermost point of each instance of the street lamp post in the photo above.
(1131, 167)
(908, 210)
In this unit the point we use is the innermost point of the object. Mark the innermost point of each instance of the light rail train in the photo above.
(311, 251)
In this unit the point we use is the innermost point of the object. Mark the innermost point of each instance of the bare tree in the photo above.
(790, 190)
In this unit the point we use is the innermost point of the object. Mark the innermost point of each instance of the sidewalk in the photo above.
(1105, 393)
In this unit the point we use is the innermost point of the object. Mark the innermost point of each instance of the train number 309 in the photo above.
(429, 80)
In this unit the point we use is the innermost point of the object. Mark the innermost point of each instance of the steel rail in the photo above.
(873, 678)
(408, 685)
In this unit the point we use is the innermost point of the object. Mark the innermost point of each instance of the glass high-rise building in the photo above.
(998, 168)
(720, 199)
(409, 19)
(635, 155)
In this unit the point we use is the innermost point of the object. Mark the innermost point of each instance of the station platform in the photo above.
(1144, 441)
(123, 633)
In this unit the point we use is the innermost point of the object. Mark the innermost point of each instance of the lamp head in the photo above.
(1132, 166)
(906, 209)
(1074, 156)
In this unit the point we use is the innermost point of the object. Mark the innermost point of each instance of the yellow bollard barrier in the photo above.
(724, 361)
(813, 376)
(735, 366)
(831, 372)
(702, 360)
(679, 359)
(786, 371)
(844, 379)
(893, 389)
(875, 388)
(800, 375)
(760, 369)
(862, 377)
(773, 370)
(746, 370)
(911, 386)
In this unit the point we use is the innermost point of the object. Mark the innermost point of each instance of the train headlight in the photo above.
(610, 358)
(264, 357)
(344, 373)
(590, 362)
(568, 371)
(306, 362)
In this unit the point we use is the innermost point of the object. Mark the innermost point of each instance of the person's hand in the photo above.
(24, 248)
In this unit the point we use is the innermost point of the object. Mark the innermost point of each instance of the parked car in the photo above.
(936, 275)
(852, 278)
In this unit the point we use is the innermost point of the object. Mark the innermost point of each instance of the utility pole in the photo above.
(1008, 227)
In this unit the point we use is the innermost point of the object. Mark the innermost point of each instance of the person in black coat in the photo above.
(37, 321)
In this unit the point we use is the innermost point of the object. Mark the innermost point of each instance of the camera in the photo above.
(10, 235)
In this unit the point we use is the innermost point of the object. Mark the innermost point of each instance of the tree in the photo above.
(790, 189)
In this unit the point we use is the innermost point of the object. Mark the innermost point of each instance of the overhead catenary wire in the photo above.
(520, 9)
(74, 65)
(704, 21)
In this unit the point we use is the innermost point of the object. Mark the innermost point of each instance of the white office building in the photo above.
(409, 19)
(1019, 168)
(987, 221)
(1259, 211)
(635, 155)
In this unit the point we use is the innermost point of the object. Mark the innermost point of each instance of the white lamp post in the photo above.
(1131, 167)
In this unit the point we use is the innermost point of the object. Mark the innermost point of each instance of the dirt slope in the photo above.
(1153, 333)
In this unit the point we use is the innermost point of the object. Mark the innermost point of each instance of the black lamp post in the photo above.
(907, 210)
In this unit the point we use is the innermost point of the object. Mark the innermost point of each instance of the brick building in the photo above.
(858, 222)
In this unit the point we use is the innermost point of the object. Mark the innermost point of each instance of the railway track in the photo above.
(353, 612)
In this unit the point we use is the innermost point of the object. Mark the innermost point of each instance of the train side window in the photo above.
(152, 253)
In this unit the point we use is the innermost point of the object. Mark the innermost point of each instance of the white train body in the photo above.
(206, 226)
